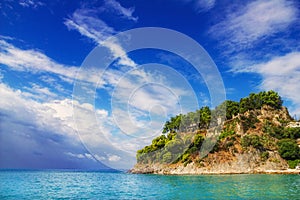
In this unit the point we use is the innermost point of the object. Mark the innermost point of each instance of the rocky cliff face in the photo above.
(245, 145)
(249, 162)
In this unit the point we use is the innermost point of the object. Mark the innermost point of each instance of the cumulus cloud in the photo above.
(42, 109)
(54, 116)
(254, 22)
(39, 131)
(62, 122)
(282, 74)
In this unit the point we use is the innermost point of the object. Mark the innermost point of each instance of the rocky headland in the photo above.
(256, 135)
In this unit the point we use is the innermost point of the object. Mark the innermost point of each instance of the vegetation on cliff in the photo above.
(257, 123)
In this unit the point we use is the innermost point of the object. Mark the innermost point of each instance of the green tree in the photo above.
(232, 109)
(205, 117)
(272, 99)
(198, 140)
(288, 149)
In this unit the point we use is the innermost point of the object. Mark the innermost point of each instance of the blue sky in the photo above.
(56, 111)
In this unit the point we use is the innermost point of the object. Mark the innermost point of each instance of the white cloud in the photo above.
(56, 116)
(19, 107)
(34, 61)
(53, 82)
(89, 156)
(100, 158)
(31, 3)
(204, 5)
(88, 24)
(282, 74)
(201, 5)
(80, 155)
(114, 158)
(38, 92)
(124, 12)
(257, 20)
(117, 51)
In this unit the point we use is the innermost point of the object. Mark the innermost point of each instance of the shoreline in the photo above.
(192, 170)
(283, 172)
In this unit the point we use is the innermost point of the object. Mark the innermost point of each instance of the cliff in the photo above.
(258, 140)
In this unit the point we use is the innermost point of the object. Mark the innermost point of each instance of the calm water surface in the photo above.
(99, 185)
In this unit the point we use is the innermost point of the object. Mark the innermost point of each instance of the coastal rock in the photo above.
(247, 144)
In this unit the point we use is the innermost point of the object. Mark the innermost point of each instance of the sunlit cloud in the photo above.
(282, 74)
(35, 62)
(254, 22)
(32, 61)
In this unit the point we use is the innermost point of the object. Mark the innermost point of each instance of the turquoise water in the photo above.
(99, 185)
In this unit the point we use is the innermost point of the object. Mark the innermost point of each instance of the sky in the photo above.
(84, 85)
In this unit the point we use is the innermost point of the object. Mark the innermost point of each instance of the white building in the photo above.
(293, 124)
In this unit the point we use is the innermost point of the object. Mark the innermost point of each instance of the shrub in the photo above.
(185, 157)
(251, 140)
(225, 134)
(249, 122)
(292, 133)
(198, 140)
(288, 149)
(280, 132)
(293, 163)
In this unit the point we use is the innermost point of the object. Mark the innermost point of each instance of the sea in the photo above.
(74, 184)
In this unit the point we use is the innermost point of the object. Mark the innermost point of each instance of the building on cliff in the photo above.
(293, 124)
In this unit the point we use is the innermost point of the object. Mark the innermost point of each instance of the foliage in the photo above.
(172, 125)
(274, 131)
(169, 146)
(288, 149)
(230, 107)
(185, 157)
(249, 121)
(293, 163)
(189, 122)
(204, 116)
(251, 140)
(280, 132)
(226, 133)
(198, 140)
(256, 101)
(293, 133)
(264, 155)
